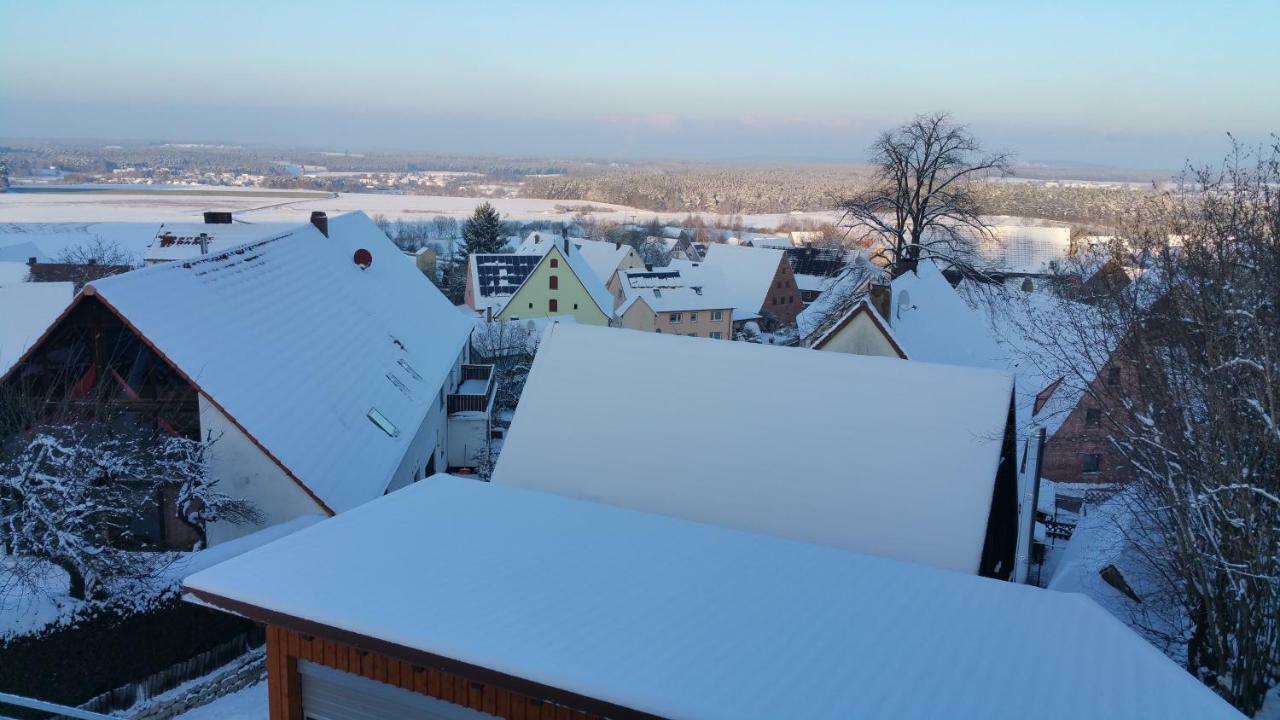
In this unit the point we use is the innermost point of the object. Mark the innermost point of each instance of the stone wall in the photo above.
(246, 670)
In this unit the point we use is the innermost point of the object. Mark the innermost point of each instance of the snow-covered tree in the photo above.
(1193, 410)
(182, 462)
(69, 494)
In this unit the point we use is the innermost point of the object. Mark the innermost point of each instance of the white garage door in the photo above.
(329, 694)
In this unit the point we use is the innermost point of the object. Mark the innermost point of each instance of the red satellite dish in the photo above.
(363, 258)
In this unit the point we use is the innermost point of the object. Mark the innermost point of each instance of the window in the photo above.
(552, 305)
(554, 282)
(774, 299)
(716, 336)
(1113, 376)
(1092, 462)
(530, 306)
(1092, 417)
(657, 330)
(693, 317)
(717, 315)
(555, 263)
(675, 318)
(575, 306)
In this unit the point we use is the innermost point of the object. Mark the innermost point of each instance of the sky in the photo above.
(1125, 83)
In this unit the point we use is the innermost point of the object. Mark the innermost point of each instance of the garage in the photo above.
(329, 694)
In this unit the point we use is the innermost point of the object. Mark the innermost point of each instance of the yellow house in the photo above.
(560, 284)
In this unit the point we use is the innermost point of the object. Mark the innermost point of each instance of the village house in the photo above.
(860, 330)
(907, 460)
(321, 366)
(759, 282)
(604, 258)
(556, 283)
(519, 604)
(665, 300)
(183, 241)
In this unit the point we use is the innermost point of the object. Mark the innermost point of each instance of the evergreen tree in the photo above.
(482, 233)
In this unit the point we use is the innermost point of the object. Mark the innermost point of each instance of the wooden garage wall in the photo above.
(286, 647)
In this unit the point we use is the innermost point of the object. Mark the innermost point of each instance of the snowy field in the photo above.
(126, 207)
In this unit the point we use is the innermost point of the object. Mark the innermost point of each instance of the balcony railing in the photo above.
(475, 392)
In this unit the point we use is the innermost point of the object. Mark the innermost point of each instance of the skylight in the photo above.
(381, 421)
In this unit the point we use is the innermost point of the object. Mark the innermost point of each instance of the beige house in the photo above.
(665, 300)
(860, 331)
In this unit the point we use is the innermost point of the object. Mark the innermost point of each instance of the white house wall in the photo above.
(245, 471)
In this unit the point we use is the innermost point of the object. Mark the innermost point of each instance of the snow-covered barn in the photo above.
(906, 460)
(518, 604)
(322, 365)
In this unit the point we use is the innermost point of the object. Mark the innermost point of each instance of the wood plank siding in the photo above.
(285, 648)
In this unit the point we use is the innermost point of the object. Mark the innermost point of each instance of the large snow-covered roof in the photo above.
(748, 274)
(26, 310)
(301, 347)
(684, 620)
(863, 453)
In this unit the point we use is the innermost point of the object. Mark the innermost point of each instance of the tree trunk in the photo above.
(76, 588)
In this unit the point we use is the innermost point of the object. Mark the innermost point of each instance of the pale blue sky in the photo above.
(1122, 83)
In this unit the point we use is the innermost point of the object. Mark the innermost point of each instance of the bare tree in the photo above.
(1193, 412)
(921, 205)
(97, 251)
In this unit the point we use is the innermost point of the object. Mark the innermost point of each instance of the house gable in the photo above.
(535, 297)
(861, 332)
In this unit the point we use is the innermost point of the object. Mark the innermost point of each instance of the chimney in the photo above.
(566, 243)
(31, 262)
(321, 221)
(617, 245)
(880, 297)
(214, 217)
(203, 239)
(488, 314)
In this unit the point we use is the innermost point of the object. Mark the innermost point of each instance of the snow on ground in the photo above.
(125, 206)
(247, 704)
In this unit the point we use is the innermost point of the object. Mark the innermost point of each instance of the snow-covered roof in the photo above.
(748, 274)
(537, 241)
(685, 620)
(302, 348)
(602, 257)
(179, 241)
(935, 324)
(840, 468)
(687, 286)
(495, 277)
(22, 252)
(12, 273)
(26, 311)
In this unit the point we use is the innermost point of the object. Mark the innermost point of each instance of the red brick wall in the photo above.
(1064, 453)
(783, 301)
